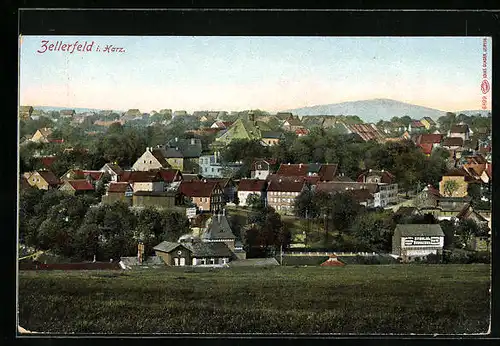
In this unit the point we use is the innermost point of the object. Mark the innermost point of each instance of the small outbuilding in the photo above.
(412, 241)
(193, 253)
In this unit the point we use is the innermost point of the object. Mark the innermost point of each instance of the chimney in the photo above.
(300, 165)
(192, 141)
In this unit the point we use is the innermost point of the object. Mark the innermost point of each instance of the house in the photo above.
(43, 180)
(105, 123)
(247, 187)
(118, 191)
(211, 166)
(219, 231)
(281, 194)
(468, 213)
(270, 138)
(374, 176)
(427, 138)
(453, 143)
(194, 253)
(461, 180)
(67, 113)
(77, 187)
(412, 241)
(156, 199)
(152, 158)
(208, 196)
(416, 126)
(292, 124)
(301, 132)
(367, 132)
(428, 122)
(460, 131)
(228, 187)
(77, 174)
(261, 168)
(378, 194)
(222, 125)
(169, 175)
(25, 112)
(284, 115)
(113, 170)
(144, 181)
(243, 129)
(184, 153)
(42, 135)
(427, 198)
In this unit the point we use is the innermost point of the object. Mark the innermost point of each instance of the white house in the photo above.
(260, 169)
(412, 241)
(247, 187)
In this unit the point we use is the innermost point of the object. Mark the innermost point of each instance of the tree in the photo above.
(255, 201)
(267, 232)
(450, 186)
(474, 191)
(174, 225)
(373, 231)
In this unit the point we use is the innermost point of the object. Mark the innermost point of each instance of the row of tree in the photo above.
(76, 227)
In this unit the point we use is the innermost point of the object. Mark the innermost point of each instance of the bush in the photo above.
(432, 259)
(459, 256)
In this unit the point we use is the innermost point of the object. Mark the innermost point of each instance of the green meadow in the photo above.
(366, 299)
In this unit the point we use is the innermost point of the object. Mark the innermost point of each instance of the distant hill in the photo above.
(375, 110)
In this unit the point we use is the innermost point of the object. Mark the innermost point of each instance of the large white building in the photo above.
(412, 241)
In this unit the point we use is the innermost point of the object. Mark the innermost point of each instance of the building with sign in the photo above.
(412, 241)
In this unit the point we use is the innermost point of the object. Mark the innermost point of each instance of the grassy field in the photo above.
(372, 299)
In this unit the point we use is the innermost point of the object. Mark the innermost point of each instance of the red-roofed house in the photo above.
(251, 186)
(77, 187)
(169, 175)
(207, 195)
(302, 132)
(373, 176)
(77, 174)
(144, 180)
(293, 170)
(427, 138)
(281, 194)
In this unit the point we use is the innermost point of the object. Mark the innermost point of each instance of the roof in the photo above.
(459, 128)
(293, 122)
(426, 148)
(429, 120)
(189, 147)
(49, 177)
(160, 154)
(360, 195)
(252, 185)
(96, 175)
(47, 161)
(218, 229)
(198, 188)
(456, 172)
(257, 163)
(140, 176)
(121, 187)
(367, 132)
(419, 230)
(168, 175)
(341, 186)
(81, 185)
(406, 211)
(190, 177)
(285, 185)
(467, 211)
(115, 168)
(432, 191)
(453, 142)
(45, 131)
(302, 131)
(197, 249)
(296, 169)
(271, 134)
(385, 176)
(428, 138)
(417, 123)
(328, 172)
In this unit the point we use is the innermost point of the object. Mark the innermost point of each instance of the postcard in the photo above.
(254, 185)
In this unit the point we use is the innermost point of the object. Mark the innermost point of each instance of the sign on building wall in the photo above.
(191, 213)
(431, 241)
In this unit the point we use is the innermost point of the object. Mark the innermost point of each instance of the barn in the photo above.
(412, 241)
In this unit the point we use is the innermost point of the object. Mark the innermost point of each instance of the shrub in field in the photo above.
(432, 258)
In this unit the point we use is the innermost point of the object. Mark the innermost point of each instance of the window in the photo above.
(212, 261)
(203, 261)
(150, 162)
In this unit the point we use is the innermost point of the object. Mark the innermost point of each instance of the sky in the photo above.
(238, 73)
